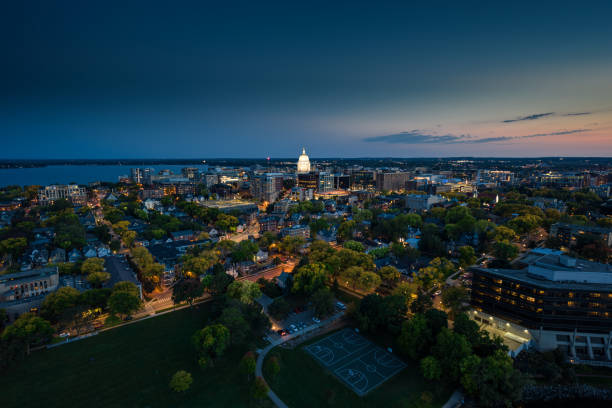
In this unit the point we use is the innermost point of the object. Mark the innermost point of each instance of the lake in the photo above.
(81, 174)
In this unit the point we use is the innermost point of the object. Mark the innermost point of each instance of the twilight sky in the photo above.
(151, 79)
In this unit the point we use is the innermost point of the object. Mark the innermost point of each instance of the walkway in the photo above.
(455, 400)
(262, 354)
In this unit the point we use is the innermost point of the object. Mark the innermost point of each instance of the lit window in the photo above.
(571, 304)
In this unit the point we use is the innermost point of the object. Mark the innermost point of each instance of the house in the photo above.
(90, 252)
(185, 235)
(75, 256)
(327, 235)
(284, 280)
(57, 255)
(261, 256)
(103, 251)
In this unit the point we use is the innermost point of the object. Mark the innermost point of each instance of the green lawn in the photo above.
(302, 382)
(127, 367)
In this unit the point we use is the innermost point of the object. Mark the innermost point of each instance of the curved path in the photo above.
(262, 353)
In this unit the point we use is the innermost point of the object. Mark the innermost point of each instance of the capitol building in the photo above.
(303, 164)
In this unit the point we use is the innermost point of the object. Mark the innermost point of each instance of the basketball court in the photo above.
(356, 361)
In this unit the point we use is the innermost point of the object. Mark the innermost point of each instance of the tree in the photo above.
(125, 286)
(434, 274)
(181, 381)
(389, 273)
(13, 248)
(503, 233)
(323, 302)
(505, 251)
(128, 238)
(346, 230)
(187, 290)
(259, 389)
(279, 308)
(123, 303)
(234, 320)
(96, 298)
(220, 280)
(354, 245)
(210, 343)
(367, 281)
(3, 319)
(430, 367)
(247, 364)
(492, 381)
(57, 304)
(408, 290)
(292, 245)
(450, 349)
(455, 299)
(309, 278)
(467, 256)
(97, 279)
(421, 304)
(27, 331)
(92, 265)
(244, 291)
(272, 367)
(415, 337)
(244, 251)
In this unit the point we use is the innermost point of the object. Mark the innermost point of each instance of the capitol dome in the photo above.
(303, 164)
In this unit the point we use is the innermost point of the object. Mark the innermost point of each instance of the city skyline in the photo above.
(87, 81)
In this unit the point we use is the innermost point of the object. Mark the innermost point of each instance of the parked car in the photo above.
(316, 320)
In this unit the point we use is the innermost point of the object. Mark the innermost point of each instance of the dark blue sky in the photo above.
(244, 79)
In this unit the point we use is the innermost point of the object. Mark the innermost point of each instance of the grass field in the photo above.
(127, 367)
(302, 382)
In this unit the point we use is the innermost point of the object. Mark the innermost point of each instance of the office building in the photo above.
(561, 302)
(24, 291)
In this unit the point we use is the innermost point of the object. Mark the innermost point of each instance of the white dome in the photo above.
(303, 164)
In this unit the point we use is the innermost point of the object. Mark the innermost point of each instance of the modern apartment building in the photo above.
(71, 192)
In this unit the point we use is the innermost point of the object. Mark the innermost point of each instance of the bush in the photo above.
(181, 381)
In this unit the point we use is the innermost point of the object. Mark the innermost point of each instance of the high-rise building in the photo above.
(308, 180)
(326, 182)
(392, 181)
(267, 187)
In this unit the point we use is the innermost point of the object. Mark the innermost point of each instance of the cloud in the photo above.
(413, 137)
(419, 137)
(529, 117)
(577, 113)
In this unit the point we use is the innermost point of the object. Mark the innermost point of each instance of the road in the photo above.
(271, 273)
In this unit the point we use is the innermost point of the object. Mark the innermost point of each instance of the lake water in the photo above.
(81, 174)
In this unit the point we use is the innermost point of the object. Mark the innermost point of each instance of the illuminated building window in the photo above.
(498, 290)
(595, 305)
(595, 295)
(594, 314)
(570, 294)
(530, 299)
(498, 281)
(539, 310)
(571, 304)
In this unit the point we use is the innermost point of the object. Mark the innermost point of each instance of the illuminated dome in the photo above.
(303, 164)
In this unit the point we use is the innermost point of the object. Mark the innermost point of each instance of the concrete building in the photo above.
(24, 291)
(72, 192)
(557, 301)
(392, 181)
(422, 202)
(569, 233)
(267, 187)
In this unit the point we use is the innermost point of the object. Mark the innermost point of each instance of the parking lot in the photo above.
(298, 320)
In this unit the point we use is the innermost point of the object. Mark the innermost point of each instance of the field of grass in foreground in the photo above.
(127, 367)
(302, 382)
